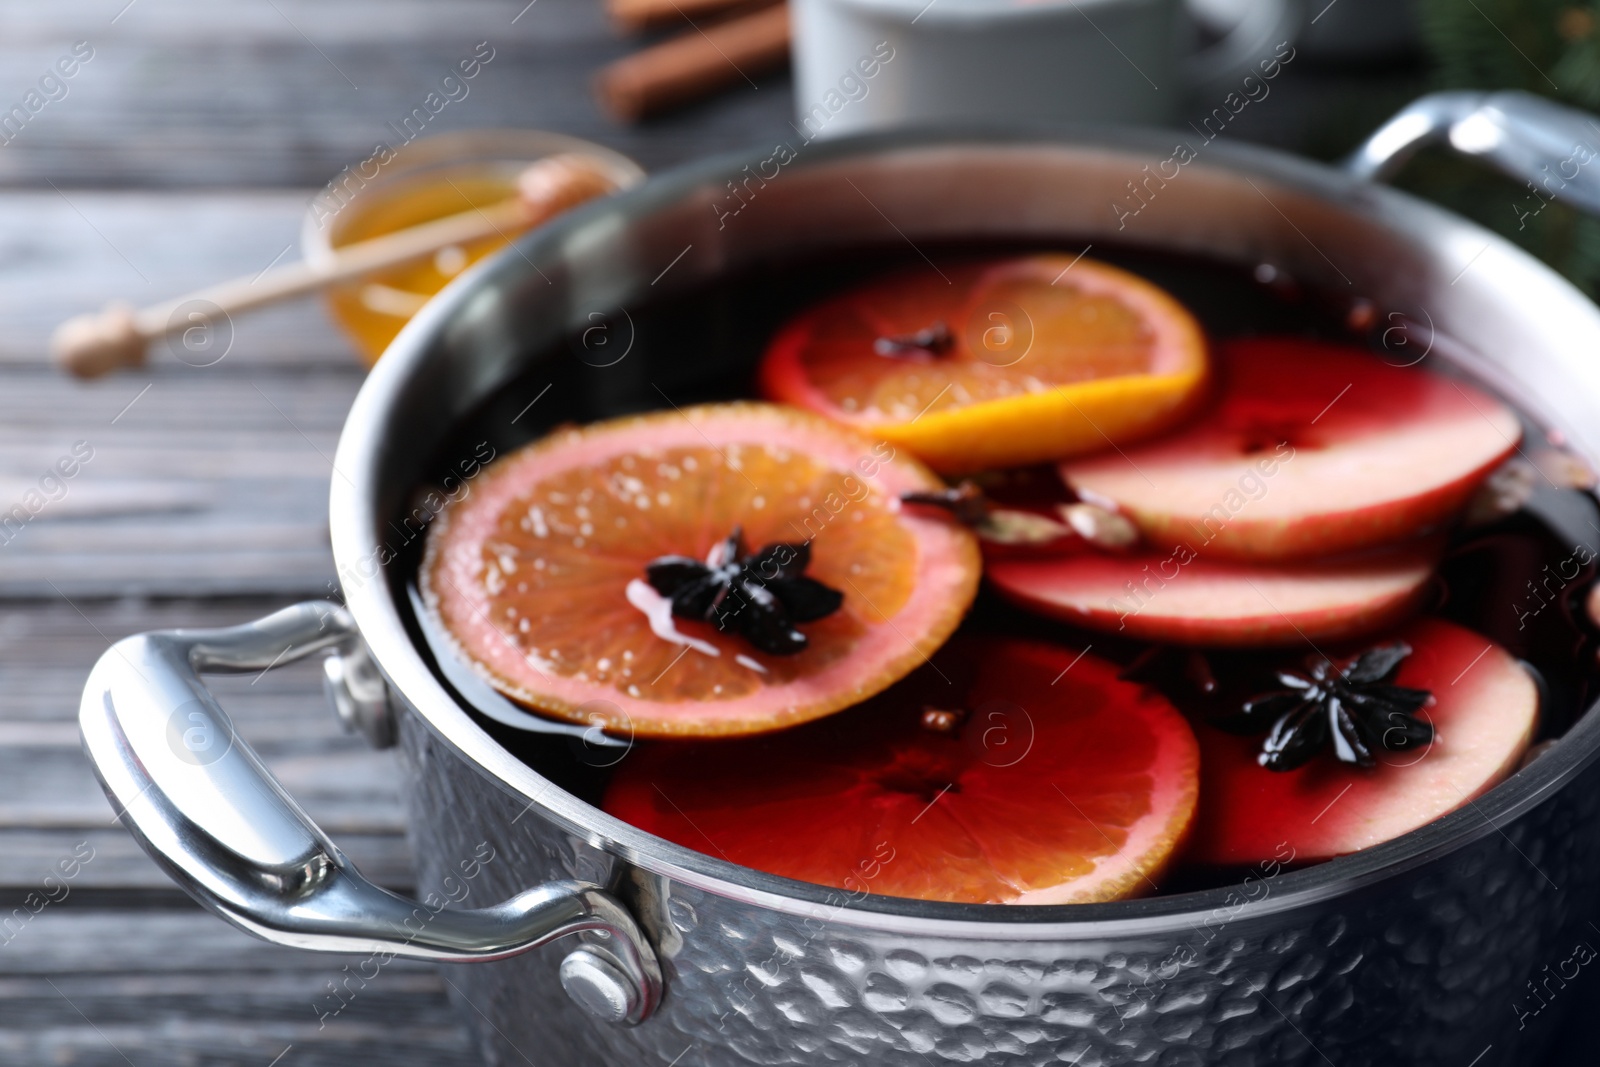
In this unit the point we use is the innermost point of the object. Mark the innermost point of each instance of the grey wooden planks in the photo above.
(345, 790)
(245, 94)
(66, 251)
(203, 479)
(50, 803)
(85, 985)
(29, 854)
(199, 482)
(116, 987)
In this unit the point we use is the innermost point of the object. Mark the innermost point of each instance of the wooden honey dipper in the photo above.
(88, 346)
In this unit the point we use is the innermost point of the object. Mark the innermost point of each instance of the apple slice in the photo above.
(1181, 598)
(1484, 713)
(1309, 449)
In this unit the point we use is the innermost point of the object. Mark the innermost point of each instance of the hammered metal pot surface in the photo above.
(1426, 968)
(1418, 951)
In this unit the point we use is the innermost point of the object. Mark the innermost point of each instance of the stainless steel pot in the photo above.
(1416, 951)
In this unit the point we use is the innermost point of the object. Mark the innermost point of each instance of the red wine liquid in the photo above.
(1517, 580)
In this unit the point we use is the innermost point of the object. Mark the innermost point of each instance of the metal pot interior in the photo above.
(1464, 295)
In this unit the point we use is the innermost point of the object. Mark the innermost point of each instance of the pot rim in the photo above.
(355, 495)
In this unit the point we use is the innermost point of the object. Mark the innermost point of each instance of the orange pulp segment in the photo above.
(1057, 782)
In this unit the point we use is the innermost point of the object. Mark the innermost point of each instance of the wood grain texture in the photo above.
(83, 983)
(28, 855)
(50, 802)
(70, 251)
(198, 482)
(232, 93)
(181, 987)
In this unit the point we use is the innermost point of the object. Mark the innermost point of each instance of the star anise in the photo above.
(1351, 705)
(760, 596)
(932, 340)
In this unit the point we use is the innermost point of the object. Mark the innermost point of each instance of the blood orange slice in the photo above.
(1484, 712)
(1311, 449)
(540, 573)
(995, 364)
(1010, 772)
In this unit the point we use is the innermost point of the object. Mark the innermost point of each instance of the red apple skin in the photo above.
(1308, 449)
(1184, 598)
(1485, 715)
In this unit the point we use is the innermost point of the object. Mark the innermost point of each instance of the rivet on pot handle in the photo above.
(201, 803)
(1529, 138)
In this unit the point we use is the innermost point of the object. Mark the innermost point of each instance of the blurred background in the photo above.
(149, 148)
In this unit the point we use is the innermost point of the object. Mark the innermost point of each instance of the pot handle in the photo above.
(1552, 147)
(197, 797)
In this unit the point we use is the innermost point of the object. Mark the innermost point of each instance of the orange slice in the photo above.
(1022, 360)
(1007, 772)
(538, 574)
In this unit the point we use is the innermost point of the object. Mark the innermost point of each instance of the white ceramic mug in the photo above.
(871, 64)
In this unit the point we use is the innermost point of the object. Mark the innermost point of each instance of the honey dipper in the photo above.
(88, 346)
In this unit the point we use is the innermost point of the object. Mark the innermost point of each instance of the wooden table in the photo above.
(185, 151)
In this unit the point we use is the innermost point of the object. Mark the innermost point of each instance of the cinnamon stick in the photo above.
(694, 64)
(631, 16)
